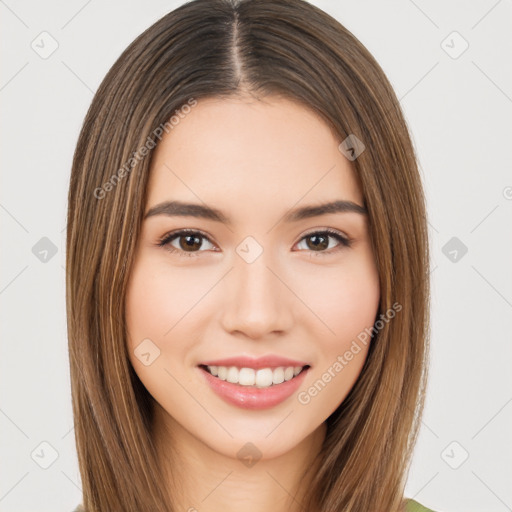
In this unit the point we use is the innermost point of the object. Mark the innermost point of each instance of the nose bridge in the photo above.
(256, 303)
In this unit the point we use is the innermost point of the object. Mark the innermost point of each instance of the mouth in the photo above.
(262, 386)
(260, 378)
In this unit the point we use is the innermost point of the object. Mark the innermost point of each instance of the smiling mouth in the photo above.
(250, 377)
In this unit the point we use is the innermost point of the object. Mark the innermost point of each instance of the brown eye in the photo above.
(320, 241)
(185, 242)
(190, 242)
(315, 242)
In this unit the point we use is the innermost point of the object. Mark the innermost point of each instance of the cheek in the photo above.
(146, 307)
(345, 297)
(158, 302)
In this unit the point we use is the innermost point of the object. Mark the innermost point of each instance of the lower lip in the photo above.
(249, 397)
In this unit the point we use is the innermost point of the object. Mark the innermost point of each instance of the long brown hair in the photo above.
(226, 48)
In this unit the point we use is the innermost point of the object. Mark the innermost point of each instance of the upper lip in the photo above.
(269, 361)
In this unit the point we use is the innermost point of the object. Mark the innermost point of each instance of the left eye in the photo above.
(318, 241)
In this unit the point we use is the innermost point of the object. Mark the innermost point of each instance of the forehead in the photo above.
(252, 152)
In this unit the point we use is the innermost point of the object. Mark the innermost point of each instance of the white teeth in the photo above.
(247, 377)
(262, 378)
(278, 376)
(232, 375)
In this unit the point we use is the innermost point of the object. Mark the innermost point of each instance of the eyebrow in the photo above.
(179, 208)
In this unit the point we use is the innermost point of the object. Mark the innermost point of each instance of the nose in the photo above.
(257, 303)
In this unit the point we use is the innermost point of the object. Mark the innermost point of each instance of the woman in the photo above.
(247, 270)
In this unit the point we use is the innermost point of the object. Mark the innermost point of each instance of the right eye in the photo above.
(189, 242)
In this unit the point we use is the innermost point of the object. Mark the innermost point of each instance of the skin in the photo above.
(254, 160)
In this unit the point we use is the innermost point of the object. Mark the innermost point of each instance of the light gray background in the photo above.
(458, 110)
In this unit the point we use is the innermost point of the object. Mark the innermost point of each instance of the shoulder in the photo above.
(414, 506)
(411, 506)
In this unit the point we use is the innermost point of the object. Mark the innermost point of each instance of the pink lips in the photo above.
(252, 397)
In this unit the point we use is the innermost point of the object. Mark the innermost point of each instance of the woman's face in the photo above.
(256, 279)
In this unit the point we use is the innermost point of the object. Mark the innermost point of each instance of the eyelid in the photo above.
(330, 231)
(191, 231)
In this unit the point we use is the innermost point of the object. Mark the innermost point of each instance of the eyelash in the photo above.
(167, 238)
